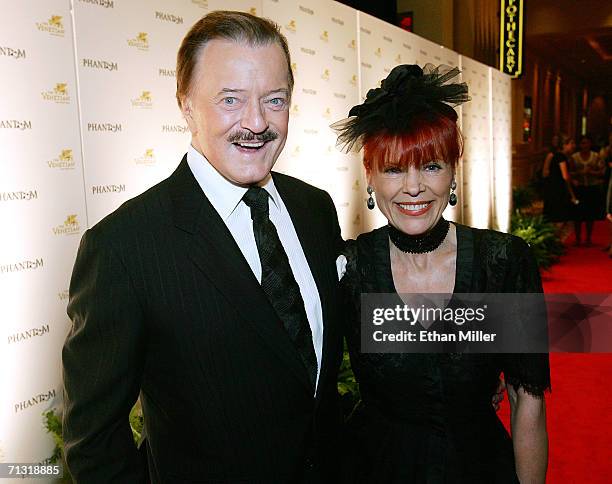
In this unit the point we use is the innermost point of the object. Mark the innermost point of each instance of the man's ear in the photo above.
(187, 110)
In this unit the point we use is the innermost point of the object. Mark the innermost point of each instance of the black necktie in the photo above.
(278, 282)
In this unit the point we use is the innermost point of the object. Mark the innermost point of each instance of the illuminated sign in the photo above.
(511, 42)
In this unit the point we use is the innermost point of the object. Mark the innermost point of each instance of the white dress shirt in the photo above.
(226, 198)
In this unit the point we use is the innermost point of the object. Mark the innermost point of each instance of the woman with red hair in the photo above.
(427, 417)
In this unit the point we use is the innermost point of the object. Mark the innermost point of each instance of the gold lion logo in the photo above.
(61, 88)
(56, 21)
(71, 220)
(356, 185)
(295, 109)
(145, 96)
(325, 75)
(66, 155)
(142, 37)
(327, 113)
(398, 59)
(352, 44)
(253, 11)
(294, 68)
(325, 36)
(149, 153)
(378, 52)
(354, 80)
(291, 26)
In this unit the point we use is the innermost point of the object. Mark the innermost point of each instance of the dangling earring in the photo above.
(371, 204)
(452, 200)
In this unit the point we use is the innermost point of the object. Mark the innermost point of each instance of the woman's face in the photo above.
(569, 147)
(555, 140)
(585, 145)
(412, 199)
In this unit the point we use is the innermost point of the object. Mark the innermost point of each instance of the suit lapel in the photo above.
(215, 252)
(309, 233)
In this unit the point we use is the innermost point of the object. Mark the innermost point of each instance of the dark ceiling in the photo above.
(574, 35)
(587, 55)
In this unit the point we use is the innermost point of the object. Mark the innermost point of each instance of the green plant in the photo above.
(53, 425)
(541, 236)
(523, 197)
(348, 388)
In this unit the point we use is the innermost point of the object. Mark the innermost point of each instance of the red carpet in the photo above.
(579, 409)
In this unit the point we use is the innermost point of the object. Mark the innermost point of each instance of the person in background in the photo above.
(427, 418)
(587, 173)
(559, 197)
(606, 155)
(555, 147)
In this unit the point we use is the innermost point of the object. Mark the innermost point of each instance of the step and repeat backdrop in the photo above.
(88, 119)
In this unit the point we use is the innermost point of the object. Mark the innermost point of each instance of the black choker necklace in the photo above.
(420, 244)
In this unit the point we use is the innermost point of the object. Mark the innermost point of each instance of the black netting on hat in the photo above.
(407, 92)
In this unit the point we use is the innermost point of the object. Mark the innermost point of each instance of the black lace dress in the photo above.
(428, 418)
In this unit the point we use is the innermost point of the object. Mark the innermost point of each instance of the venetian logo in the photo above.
(291, 26)
(325, 36)
(378, 52)
(253, 11)
(140, 42)
(144, 101)
(294, 68)
(69, 227)
(147, 159)
(327, 113)
(59, 94)
(65, 161)
(325, 75)
(353, 81)
(53, 26)
(295, 110)
(352, 44)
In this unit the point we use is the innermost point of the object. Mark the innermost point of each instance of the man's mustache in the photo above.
(239, 136)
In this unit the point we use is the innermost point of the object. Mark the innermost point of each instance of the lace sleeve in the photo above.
(530, 371)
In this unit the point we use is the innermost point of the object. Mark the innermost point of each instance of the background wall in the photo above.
(88, 119)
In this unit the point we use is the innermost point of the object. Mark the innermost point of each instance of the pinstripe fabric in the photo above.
(227, 201)
(164, 304)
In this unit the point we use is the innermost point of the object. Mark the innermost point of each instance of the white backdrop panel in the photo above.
(381, 46)
(501, 94)
(42, 204)
(322, 43)
(477, 151)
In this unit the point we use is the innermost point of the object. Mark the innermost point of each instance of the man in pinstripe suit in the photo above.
(166, 300)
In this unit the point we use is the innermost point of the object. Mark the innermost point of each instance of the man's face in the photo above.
(238, 108)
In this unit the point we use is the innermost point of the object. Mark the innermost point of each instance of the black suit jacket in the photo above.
(164, 305)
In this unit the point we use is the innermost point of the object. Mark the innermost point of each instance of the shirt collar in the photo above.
(222, 194)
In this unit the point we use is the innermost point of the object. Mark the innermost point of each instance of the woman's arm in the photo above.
(546, 167)
(529, 436)
(568, 181)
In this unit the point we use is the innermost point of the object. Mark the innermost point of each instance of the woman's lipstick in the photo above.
(413, 209)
